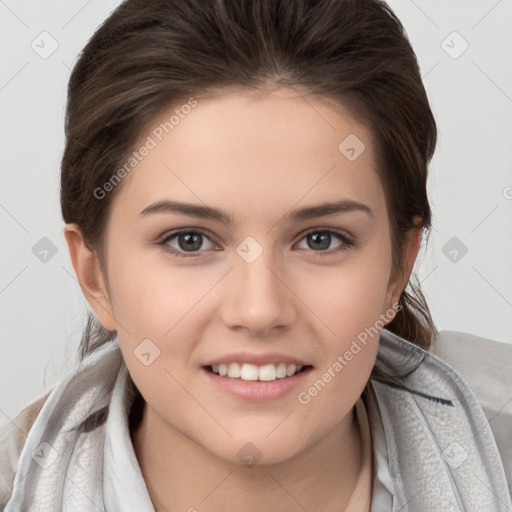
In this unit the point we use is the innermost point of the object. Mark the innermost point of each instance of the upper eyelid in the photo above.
(171, 234)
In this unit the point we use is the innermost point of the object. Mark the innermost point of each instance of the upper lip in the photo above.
(256, 359)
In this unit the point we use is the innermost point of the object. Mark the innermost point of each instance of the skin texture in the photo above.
(257, 157)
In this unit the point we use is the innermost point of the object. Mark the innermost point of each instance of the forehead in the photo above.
(255, 150)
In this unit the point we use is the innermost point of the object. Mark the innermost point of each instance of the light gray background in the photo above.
(41, 305)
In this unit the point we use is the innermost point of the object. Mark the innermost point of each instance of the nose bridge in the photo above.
(258, 298)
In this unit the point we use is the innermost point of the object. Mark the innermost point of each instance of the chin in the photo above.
(257, 450)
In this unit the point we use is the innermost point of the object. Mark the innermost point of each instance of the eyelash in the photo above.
(347, 243)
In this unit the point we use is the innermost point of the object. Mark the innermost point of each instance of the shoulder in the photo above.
(12, 439)
(486, 365)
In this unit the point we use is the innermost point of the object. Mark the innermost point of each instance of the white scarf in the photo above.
(442, 453)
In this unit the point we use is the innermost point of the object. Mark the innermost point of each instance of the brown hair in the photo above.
(150, 54)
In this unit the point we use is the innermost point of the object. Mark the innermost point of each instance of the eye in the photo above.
(188, 241)
(321, 239)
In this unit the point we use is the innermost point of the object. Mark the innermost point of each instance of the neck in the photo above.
(182, 475)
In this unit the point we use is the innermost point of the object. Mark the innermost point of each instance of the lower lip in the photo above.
(255, 390)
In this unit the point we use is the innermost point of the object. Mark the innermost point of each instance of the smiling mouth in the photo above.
(252, 372)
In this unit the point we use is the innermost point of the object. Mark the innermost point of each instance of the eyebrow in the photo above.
(220, 215)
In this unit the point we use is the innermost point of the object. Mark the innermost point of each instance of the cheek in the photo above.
(349, 297)
(349, 302)
(151, 295)
(157, 303)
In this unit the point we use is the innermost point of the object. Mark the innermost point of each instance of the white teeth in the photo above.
(234, 370)
(267, 372)
(249, 372)
(246, 371)
(281, 371)
(290, 370)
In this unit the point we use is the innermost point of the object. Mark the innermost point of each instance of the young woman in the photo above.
(244, 192)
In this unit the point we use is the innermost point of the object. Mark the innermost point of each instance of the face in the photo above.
(281, 281)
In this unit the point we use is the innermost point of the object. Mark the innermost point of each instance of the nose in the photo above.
(258, 297)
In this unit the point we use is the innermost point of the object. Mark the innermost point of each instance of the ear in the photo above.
(411, 249)
(91, 280)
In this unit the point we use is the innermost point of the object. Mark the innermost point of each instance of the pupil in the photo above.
(190, 241)
(323, 237)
